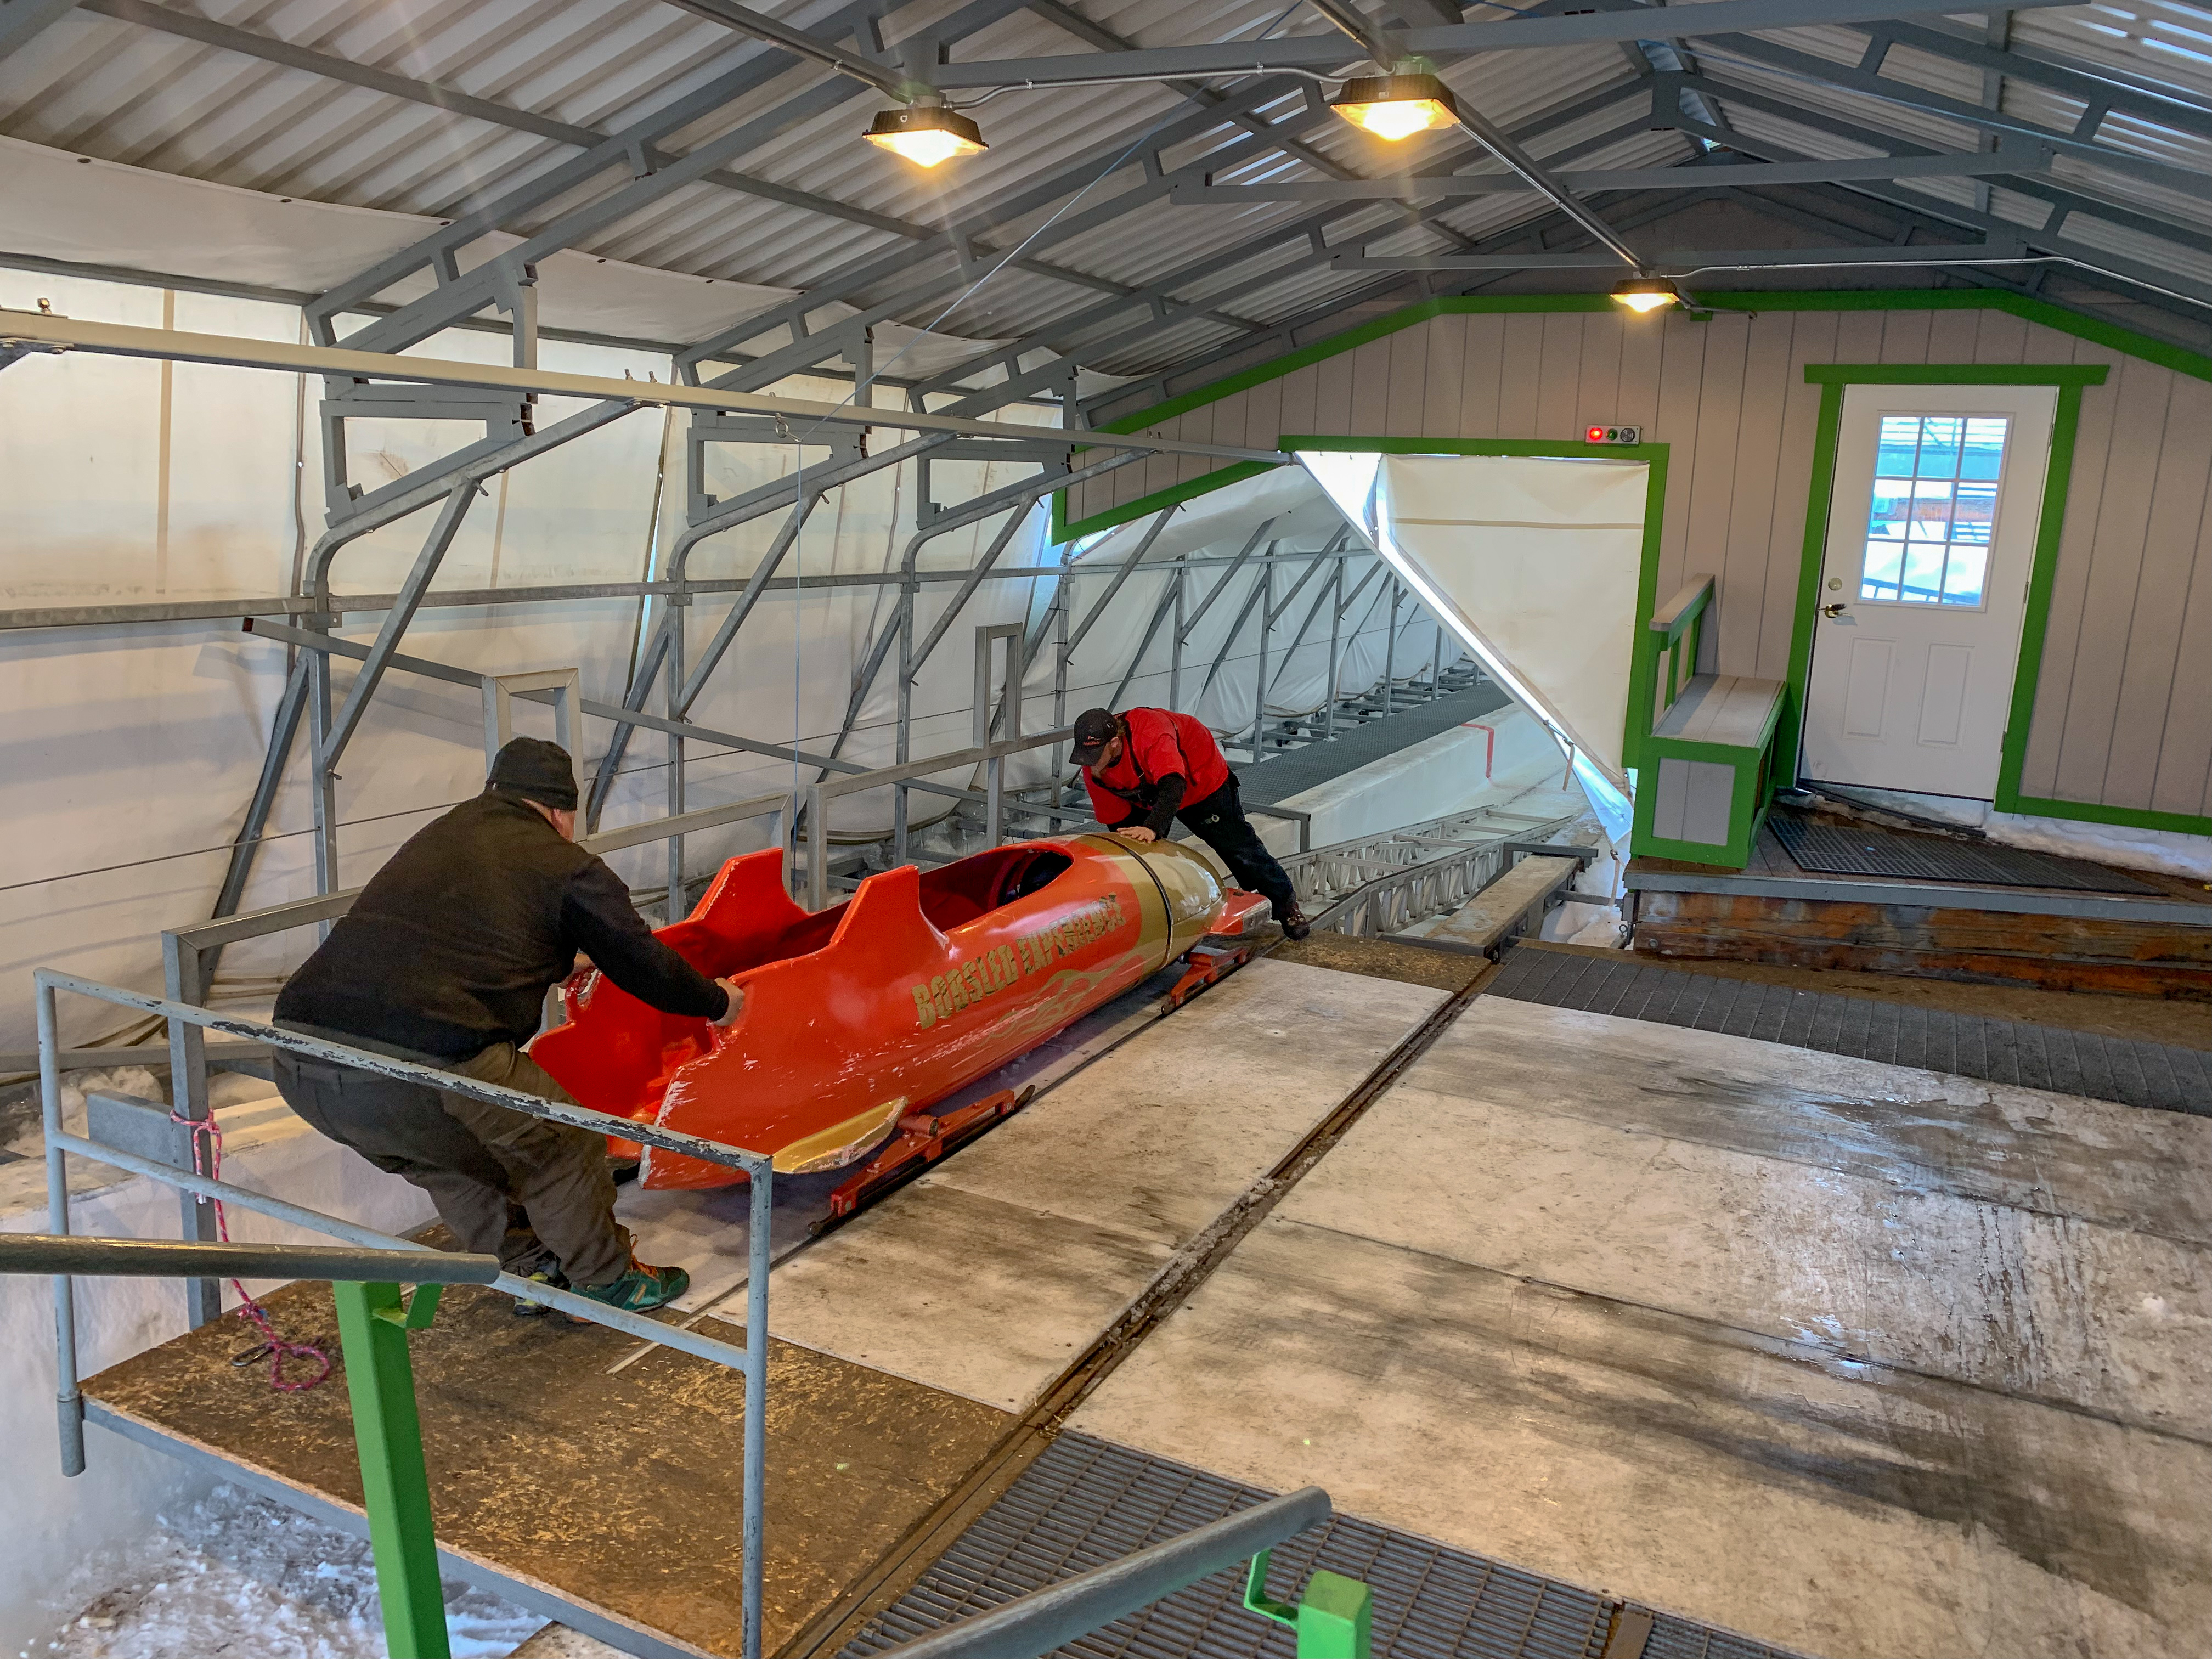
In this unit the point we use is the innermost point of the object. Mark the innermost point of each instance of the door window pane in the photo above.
(1884, 560)
(1962, 576)
(1935, 493)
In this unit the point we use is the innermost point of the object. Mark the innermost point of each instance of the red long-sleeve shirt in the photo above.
(1159, 744)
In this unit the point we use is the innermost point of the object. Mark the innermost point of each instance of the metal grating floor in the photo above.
(2133, 1073)
(1086, 1502)
(1353, 746)
(1842, 849)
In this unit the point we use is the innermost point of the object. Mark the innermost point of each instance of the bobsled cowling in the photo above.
(878, 1007)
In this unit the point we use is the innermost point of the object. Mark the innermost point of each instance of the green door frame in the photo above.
(2027, 668)
(1654, 456)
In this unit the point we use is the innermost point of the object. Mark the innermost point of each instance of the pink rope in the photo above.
(206, 1132)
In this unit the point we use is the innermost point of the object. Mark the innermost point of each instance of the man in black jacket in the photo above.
(445, 959)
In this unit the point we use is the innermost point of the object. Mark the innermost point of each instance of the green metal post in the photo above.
(373, 1322)
(1334, 1619)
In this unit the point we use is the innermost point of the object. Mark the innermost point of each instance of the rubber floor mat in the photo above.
(1846, 850)
(2134, 1073)
(1086, 1502)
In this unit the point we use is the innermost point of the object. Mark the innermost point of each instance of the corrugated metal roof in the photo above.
(129, 91)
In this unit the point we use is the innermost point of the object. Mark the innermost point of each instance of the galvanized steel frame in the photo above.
(750, 1360)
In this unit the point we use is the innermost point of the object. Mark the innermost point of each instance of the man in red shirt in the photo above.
(1147, 767)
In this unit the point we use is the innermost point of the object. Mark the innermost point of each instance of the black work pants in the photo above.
(1220, 822)
(531, 1192)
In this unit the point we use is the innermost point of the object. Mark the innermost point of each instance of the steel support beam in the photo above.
(177, 345)
(1688, 261)
(2113, 265)
(188, 26)
(1692, 176)
(1844, 77)
(1328, 55)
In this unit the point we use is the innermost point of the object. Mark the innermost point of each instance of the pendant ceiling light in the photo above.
(1396, 107)
(1642, 293)
(926, 134)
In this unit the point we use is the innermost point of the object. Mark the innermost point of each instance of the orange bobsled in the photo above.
(904, 994)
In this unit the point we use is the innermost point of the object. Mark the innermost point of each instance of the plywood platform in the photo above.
(617, 1496)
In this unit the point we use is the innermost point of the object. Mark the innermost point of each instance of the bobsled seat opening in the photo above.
(959, 892)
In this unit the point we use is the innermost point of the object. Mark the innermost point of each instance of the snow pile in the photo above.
(240, 1576)
(22, 1126)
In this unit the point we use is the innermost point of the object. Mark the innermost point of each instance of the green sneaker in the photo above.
(641, 1289)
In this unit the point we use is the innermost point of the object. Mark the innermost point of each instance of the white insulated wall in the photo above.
(131, 751)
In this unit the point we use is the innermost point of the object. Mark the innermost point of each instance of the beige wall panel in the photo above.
(1406, 401)
(2000, 339)
(1333, 394)
(1518, 372)
(1681, 378)
(1559, 378)
(2123, 707)
(2093, 445)
(1711, 482)
(1444, 340)
(1812, 340)
(1951, 335)
(1597, 399)
(1370, 390)
(1232, 420)
(1756, 560)
(1905, 336)
(1482, 367)
(2185, 768)
(1165, 472)
(2115, 570)
(1263, 415)
(1642, 344)
(1859, 337)
(1300, 387)
(2147, 654)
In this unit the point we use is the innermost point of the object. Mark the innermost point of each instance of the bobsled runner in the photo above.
(859, 1017)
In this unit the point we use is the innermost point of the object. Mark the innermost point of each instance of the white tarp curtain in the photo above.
(127, 481)
(1535, 562)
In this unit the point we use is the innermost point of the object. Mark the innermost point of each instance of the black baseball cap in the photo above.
(536, 770)
(1094, 730)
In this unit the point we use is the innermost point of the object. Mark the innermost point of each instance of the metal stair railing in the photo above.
(375, 1316)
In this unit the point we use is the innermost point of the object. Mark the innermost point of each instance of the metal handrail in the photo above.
(172, 1258)
(751, 1361)
(374, 1317)
(1060, 1614)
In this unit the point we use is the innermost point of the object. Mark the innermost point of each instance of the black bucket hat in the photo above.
(536, 770)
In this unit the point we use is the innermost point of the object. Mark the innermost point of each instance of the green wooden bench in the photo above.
(1705, 771)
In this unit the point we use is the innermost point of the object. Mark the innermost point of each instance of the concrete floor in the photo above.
(1849, 1357)
(1853, 1358)
(987, 1277)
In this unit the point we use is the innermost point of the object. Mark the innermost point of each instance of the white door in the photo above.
(1922, 590)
